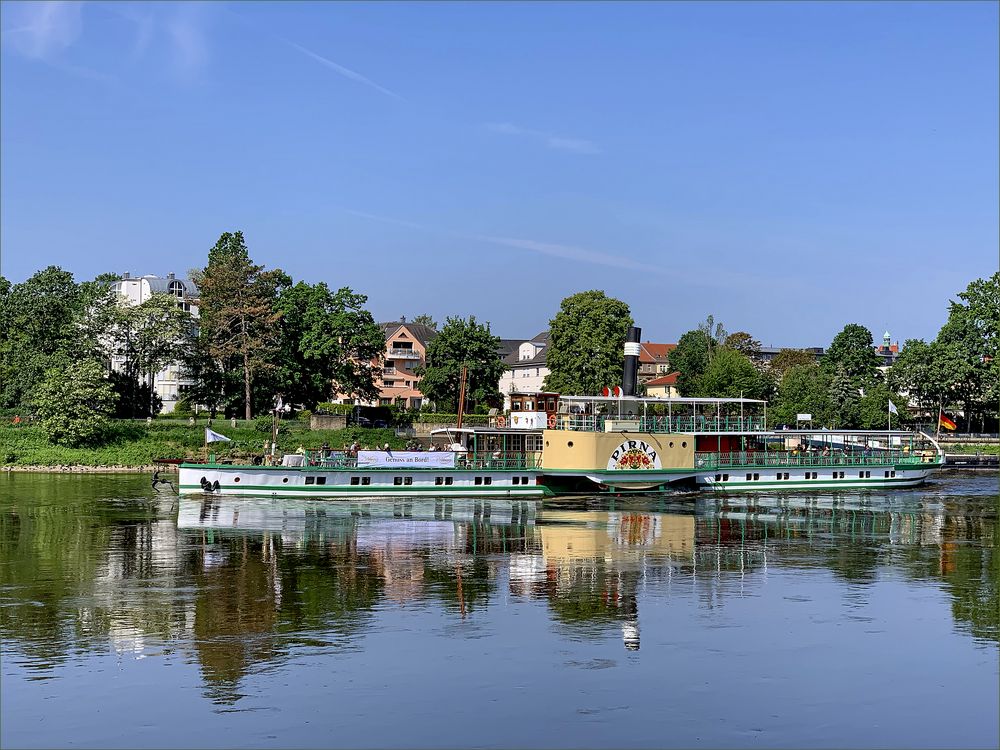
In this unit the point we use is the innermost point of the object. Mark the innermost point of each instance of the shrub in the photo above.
(327, 407)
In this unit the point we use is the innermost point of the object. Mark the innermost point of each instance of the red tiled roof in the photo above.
(670, 379)
(655, 352)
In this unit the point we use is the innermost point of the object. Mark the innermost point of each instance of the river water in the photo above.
(131, 619)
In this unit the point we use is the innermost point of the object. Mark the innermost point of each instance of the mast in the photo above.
(461, 397)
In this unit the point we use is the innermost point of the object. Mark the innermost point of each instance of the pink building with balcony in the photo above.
(405, 350)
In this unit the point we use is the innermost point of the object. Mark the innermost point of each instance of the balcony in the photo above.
(403, 354)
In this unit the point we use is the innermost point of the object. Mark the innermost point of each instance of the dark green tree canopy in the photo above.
(328, 341)
(462, 342)
(852, 349)
(690, 358)
(587, 344)
(731, 374)
(804, 389)
(744, 343)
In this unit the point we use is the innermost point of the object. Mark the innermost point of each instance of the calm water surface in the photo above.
(827, 620)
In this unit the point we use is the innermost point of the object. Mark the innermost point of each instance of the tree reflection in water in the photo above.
(244, 583)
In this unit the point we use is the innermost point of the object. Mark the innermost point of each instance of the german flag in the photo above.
(947, 422)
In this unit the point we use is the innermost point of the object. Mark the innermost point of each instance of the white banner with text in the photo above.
(408, 459)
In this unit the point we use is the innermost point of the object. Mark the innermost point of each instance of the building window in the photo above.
(175, 288)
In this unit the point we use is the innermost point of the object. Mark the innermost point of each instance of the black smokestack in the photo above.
(632, 348)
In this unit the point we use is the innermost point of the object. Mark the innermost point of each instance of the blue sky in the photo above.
(787, 167)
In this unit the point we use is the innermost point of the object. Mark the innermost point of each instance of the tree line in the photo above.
(260, 334)
(848, 388)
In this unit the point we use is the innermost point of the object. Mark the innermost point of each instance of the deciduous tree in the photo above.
(789, 358)
(804, 389)
(328, 341)
(731, 374)
(237, 310)
(462, 343)
(852, 350)
(587, 343)
(74, 401)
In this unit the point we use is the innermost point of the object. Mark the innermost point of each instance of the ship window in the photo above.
(684, 444)
(408, 480)
(841, 475)
(671, 443)
(887, 475)
(310, 480)
(892, 473)
(569, 444)
(786, 475)
(284, 480)
(366, 480)
(236, 479)
(725, 477)
(438, 480)
(355, 480)
(718, 477)
(515, 480)
(524, 480)
(479, 480)
(749, 477)
(448, 480)
(397, 480)
(516, 406)
(756, 477)
(320, 480)
(488, 480)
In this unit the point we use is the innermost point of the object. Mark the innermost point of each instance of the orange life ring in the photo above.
(552, 421)
(501, 421)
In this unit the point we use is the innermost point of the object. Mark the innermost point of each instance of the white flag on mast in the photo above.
(892, 407)
(214, 437)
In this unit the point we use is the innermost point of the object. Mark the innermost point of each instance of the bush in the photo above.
(304, 415)
(182, 409)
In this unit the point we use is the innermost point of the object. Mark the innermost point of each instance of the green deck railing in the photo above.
(591, 423)
(788, 458)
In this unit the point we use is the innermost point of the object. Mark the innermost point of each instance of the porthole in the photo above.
(569, 443)
(671, 444)
(546, 443)
(236, 480)
(284, 480)
(684, 444)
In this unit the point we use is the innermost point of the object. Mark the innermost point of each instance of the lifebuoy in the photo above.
(501, 421)
(552, 421)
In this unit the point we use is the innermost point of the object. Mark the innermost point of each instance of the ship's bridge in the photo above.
(660, 415)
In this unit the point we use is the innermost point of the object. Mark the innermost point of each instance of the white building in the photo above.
(169, 383)
(526, 370)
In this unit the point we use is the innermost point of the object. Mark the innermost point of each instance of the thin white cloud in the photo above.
(43, 29)
(346, 72)
(188, 39)
(577, 145)
(555, 250)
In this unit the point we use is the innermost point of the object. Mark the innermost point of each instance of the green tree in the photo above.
(425, 320)
(74, 401)
(38, 322)
(690, 358)
(462, 343)
(744, 343)
(852, 349)
(873, 407)
(587, 343)
(237, 311)
(915, 373)
(328, 340)
(731, 374)
(844, 397)
(714, 333)
(804, 389)
(789, 358)
(143, 339)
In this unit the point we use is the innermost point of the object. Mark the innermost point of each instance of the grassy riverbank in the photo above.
(990, 449)
(136, 444)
